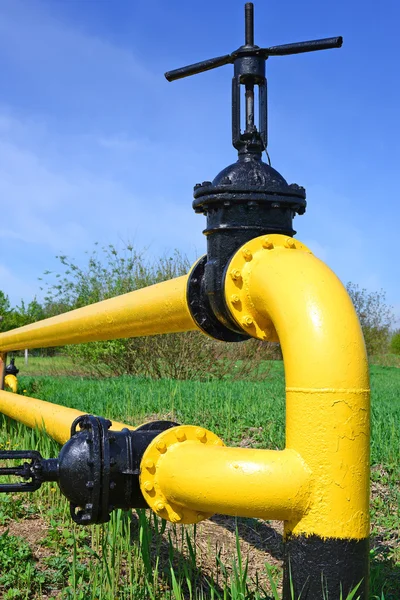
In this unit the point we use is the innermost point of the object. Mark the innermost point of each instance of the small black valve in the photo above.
(97, 469)
(11, 369)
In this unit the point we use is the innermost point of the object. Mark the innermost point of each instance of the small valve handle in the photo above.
(31, 470)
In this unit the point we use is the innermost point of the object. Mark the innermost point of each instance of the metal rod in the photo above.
(249, 23)
(249, 107)
(200, 67)
(300, 47)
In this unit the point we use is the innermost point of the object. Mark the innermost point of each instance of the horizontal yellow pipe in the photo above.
(56, 420)
(160, 308)
(268, 484)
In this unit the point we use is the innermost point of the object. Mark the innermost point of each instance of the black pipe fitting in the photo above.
(97, 469)
(11, 369)
(247, 199)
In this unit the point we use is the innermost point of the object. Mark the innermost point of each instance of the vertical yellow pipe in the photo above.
(275, 283)
(3, 359)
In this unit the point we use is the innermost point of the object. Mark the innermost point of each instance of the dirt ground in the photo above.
(260, 543)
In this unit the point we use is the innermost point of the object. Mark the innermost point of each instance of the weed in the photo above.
(141, 557)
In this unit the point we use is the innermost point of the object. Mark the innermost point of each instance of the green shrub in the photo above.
(375, 316)
(395, 342)
(191, 355)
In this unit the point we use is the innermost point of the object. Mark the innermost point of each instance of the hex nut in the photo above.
(247, 321)
(161, 446)
(235, 274)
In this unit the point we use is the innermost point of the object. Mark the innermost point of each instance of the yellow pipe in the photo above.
(12, 382)
(3, 359)
(278, 284)
(160, 308)
(56, 420)
(236, 481)
(188, 474)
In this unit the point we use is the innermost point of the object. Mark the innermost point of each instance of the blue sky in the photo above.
(95, 145)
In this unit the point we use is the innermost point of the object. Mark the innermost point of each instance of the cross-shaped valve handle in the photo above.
(249, 70)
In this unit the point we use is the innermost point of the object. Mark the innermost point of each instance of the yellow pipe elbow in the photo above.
(236, 481)
(187, 474)
(278, 285)
(12, 382)
(54, 419)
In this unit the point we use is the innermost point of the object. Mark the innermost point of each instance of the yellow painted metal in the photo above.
(154, 464)
(56, 420)
(187, 474)
(12, 382)
(3, 359)
(157, 309)
(283, 287)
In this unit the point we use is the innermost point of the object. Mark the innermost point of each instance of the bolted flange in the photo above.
(241, 266)
(151, 464)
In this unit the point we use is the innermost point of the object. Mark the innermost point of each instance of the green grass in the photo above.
(230, 409)
(140, 556)
(48, 365)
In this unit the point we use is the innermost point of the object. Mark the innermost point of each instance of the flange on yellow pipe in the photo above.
(56, 420)
(157, 309)
(187, 474)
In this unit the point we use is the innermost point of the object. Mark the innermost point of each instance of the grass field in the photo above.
(137, 556)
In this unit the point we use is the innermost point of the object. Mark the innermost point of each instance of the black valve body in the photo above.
(11, 369)
(247, 199)
(97, 469)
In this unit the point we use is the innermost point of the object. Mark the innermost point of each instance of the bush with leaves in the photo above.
(375, 316)
(395, 342)
(24, 314)
(191, 355)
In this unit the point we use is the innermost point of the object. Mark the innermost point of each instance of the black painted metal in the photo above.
(97, 469)
(320, 568)
(11, 369)
(200, 309)
(34, 471)
(248, 198)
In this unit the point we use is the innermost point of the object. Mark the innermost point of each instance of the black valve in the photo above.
(97, 469)
(11, 369)
(248, 198)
